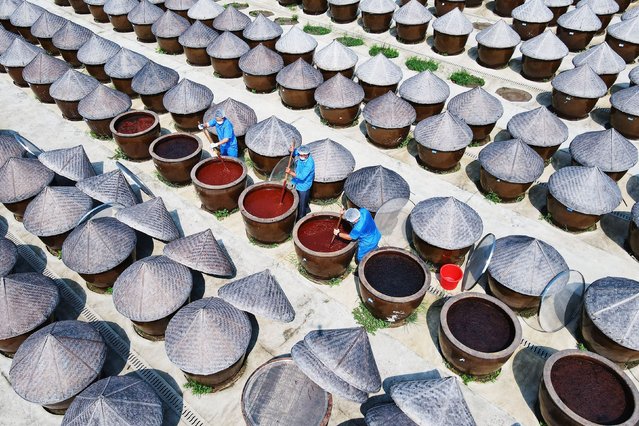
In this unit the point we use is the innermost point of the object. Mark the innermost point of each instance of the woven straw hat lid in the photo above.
(26, 14)
(71, 163)
(627, 30)
(44, 69)
(557, 3)
(125, 64)
(585, 190)
(71, 36)
(207, 336)
(533, 11)
(546, 47)
(103, 103)
(145, 13)
(97, 51)
(500, 35)
(22, 178)
(95, 2)
(339, 92)
(443, 132)
(634, 75)
(612, 304)
(389, 111)
(333, 162)
(241, 115)
(198, 36)
(205, 9)
(116, 400)
(387, 414)
(110, 187)
(424, 88)
(8, 256)
(231, 20)
(379, 70)
(262, 28)
(72, 86)
(412, 13)
(7, 7)
(377, 6)
(446, 222)
(6, 38)
(272, 137)
(626, 100)
(296, 41)
(98, 245)
(56, 362)
(538, 127)
(511, 161)
(119, 7)
(476, 107)
(602, 59)
(179, 4)
(47, 25)
(453, 23)
(150, 218)
(9, 147)
(56, 210)
(300, 75)
(600, 7)
(319, 373)
(19, 53)
(370, 187)
(606, 149)
(227, 46)
(581, 81)
(259, 294)
(580, 19)
(437, 401)
(27, 300)
(201, 252)
(169, 25)
(152, 288)
(634, 213)
(632, 12)
(187, 97)
(335, 57)
(154, 78)
(347, 353)
(261, 61)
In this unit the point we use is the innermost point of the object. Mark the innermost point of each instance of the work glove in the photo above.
(200, 126)
(336, 232)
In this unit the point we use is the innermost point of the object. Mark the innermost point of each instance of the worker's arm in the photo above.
(342, 235)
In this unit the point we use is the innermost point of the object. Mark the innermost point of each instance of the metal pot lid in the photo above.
(478, 261)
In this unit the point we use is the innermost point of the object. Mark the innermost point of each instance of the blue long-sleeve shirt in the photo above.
(366, 233)
(225, 130)
(304, 173)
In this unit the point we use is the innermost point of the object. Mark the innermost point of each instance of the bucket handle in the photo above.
(124, 169)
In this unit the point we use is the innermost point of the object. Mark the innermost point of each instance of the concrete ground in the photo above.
(407, 352)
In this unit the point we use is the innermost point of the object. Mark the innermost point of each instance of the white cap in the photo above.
(352, 215)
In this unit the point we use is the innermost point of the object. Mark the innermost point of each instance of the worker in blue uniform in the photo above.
(364, 231)
(225, 134)
(303, 177)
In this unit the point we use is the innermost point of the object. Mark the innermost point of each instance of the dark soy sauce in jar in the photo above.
(480, 325)
(394, 274)
(175, 148)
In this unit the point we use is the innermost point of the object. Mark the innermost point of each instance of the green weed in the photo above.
(467, 378)
(387, 51)
(198, 389)
(350, 41)
(405, 142)
(415, 63)
(224, 213)
(160, 50)
(364, 318)
(118, 154)
(109, 290)
(316, 29)
(263, 245)
(328, 202)
(100, 137)
(581, 346)
(236, 5)
(493, 197)
(547, 217)
(166, 182)
(466, 79)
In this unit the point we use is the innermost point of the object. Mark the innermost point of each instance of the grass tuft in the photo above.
(259, 244)
(109, 290)
(224, 213)
(466, 79)
(387, 51)
(100, 137)
(414, 63)
(547, 217)
(166, 182)
(198, 389)
(328, 202)
(118, 154)
(520, 198)
(316, 29)
(236, 5)
(266, 13)
(581, 347)
(160, 50)
(349, 41)
(467, 378)
(493, 197)
(405, 142)
(364, 318)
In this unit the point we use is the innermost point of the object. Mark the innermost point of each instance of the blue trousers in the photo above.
(305, 199)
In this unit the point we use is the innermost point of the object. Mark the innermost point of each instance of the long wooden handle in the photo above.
(290, 159)
(208, 136)
(339, 222)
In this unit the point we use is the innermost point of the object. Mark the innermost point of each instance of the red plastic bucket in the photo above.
(449, 276)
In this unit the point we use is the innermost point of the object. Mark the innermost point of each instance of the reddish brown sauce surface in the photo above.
(265, 202)
(394, 275)
(591, 390)
(218, 173)
(174, 148)
(316, 235)
(480, 325)
(135, 124)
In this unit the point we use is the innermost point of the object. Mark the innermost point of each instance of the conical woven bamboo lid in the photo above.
(47, 25)
(546, 47)
(207, 336)
(300, 75)
(44, 69)
(296, 41)
(72, 86)
(606, 149)
(499, 35)
(154, 78)
(335, 57)
(446, 222)
(150, 218)
(380, 71)
(187, 97)
(443, 132)
(152, 288)
(424, 88)
(333, 162)
(97, 51)
(56, 210)
(241, 115)
(110, 187)
(533, 11)
(387, 414)
(585, 190)
(27, 301)
(580, 19)
(632, 12)
(204, 10)
(389, 111)
(125, 64)
(412, 13)
(231, 20)
(7, 7)
(71, 163)
(71, 36)
(524, 264)
(116, 400)
(198, 36)
(262, 28)
(8, 256)
(476, 107)
(582, 82)
(634, 75)
(179, 4)
(339, 92)
(272, 137)
(119, 7)
(22, 178)
(261, 61)
(145, 13)
(377, 6)
(56, 362)
(103, 103)
(453, 23)
(259, 294)
(9, 147)
(370, 187)
(19, 53)
(227, 46)
(538, 127)
(6, 38)
(600, 7)
(511, 161)
(25, 14)
(201, 252)
(627, 31)
(626, 100)
(170, 25)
